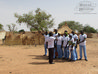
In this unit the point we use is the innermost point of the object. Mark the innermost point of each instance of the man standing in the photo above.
(59, 44)
(82, 44)
(45, 44)
(55, 43)
(72, 48)
(75, 41)
(51, 40)
(65, 43)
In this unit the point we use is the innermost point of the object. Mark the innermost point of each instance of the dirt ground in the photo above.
(19, 59)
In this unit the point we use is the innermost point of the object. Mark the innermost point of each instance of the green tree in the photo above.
(12, 27)
(40, 21)
(89, 29)
(1, 26)
(22, 30)
(72, 25)
(97, 30)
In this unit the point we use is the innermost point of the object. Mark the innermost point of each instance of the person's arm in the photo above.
(67, 43)
(72, 45)
(82, 40)
(46, 44)
(62, 44)
(85, 36)
(76, 43)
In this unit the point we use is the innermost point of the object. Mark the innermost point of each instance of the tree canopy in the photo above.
(40, 21)
(1, 26)
(89, 29)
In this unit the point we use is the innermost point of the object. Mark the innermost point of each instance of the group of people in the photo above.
(61, 46)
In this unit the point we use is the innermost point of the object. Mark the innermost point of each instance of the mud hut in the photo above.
(63, 28)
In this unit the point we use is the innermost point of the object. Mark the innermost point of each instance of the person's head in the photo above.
(50, 34)
(59, 34)
(65, 34)
(65, 31)
(70, 36)
(73, 32)
(46, 32)
(55, 31)
(82, 32)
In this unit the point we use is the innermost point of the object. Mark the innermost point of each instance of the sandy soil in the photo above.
(19, 59)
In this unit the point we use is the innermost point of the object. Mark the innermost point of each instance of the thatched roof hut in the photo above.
(63, 28)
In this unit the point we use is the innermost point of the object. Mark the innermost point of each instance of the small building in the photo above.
(63, 28)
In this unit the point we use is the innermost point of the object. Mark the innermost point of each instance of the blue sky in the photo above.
(61, 10)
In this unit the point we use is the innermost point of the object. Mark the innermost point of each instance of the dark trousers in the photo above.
(51, 51)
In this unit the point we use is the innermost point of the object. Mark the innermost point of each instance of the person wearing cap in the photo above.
(71, 45)
(50, 41)
(82, 44)
(76, 41)
(65, 43)
(59, 43)
(55, 43)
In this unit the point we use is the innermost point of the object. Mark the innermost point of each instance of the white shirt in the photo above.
(75, 38)
(55, 35)
(71, 40)
(51, 42)
(59, 41)
(65, 40)
(46, 37)
(82, 37)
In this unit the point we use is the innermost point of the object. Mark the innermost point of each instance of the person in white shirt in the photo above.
(55, 43)
(51, 40)
(71, 45)
(59, 45)
(65, 43)
(45, 44)
(76, 41)
(82, 44)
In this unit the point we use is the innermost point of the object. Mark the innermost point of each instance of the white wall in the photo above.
(2, 35)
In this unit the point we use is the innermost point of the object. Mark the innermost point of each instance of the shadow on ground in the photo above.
(41, 57)
(38, 63)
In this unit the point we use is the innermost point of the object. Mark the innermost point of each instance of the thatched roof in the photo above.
(63, 28)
